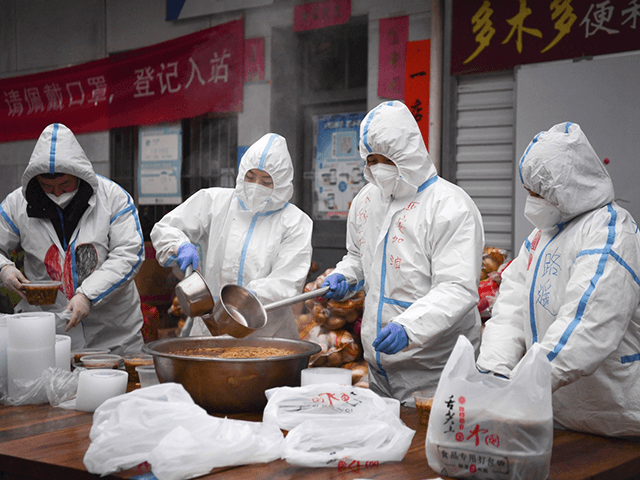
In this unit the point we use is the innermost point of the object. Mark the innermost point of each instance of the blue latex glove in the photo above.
(338, 286)
(391, 339)
(187, 255)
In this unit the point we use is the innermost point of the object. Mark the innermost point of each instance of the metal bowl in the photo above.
(230, 385)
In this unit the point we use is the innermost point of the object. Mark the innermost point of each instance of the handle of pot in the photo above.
(304, 296)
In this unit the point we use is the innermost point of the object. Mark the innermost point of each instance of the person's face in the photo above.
(376, 158)
(259, 176)
(57, 186)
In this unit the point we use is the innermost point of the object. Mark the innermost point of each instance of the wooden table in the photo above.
(40, 441)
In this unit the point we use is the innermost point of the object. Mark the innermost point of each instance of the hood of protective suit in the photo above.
(58, 151)
(390, 130)
(561, 165)
(270, 154)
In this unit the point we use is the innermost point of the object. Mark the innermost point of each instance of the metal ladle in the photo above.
(238, 311)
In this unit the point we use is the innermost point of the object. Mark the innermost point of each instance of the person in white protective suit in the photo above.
(249, 236)
(416, 242)
(574, 288)
(81, 229)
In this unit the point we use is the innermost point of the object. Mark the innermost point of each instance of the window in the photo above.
(209, 159)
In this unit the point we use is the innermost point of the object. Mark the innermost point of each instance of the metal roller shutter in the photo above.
(485, 143)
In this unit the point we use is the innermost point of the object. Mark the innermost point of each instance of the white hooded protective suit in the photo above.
(103, 255)
(267, 250)
(574, 288)
(419, 253)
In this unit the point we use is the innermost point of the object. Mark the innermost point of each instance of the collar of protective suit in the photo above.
(561, 165)
(390, 130)
(58, 151)
(269, 153)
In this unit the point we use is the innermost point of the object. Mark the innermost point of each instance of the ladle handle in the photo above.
(302, 297)
(298, 298)
(188, 271)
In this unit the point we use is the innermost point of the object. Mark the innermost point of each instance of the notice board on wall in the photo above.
(601, 95)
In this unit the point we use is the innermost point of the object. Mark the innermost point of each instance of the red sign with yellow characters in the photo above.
(500, 34)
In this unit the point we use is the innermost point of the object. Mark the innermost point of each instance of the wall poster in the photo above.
(337, 164)
(159, 165)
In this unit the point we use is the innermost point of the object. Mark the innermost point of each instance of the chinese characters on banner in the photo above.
(416, 90)
(338, 166)
(181, 78)
(394, 34)
(254, 59)
(160, 154)
(309, 16)
(500, 34)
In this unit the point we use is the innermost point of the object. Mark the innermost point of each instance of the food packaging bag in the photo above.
(332, 425)
(486, 427)
(287, 407)
(163, 426)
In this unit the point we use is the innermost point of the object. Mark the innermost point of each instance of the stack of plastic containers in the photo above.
(4, 341)
(31, 347)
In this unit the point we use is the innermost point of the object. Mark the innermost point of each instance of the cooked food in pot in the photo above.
(235, 352)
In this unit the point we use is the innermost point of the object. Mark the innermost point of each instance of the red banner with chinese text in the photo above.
(181, 78)
(500, 34)
(394, 34)
(417, 82)
(326, 13)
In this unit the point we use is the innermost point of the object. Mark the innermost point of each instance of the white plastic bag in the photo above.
(56, 386)
(485, 427)
(288, 407)
(164, 427)
(333, 425)
(347, 442)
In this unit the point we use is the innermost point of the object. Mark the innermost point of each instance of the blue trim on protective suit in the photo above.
(263, 157)
(4, 215)
(535, 139)
(592, 285)
(383, 276)
(616, 257)
(365, 130)
(130, 208)
(247, 239)
(74, 266)
(428, 183)
(532, 312)
(172, 259)
(566, 127)
(630, 358)
(52, 151)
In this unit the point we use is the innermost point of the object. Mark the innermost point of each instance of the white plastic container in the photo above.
(310, 376)
(148, 376)
(27, 364)
(4, 343)
(98, 385)
(63, 352)
(32, 330)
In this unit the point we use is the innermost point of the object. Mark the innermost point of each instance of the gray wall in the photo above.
(601, 95)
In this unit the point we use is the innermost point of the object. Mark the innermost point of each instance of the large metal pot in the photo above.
(229, 385)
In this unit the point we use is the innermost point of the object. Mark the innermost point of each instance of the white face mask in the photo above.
(64, 199)
(541, 213)
(385, 177)
(256, 194)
